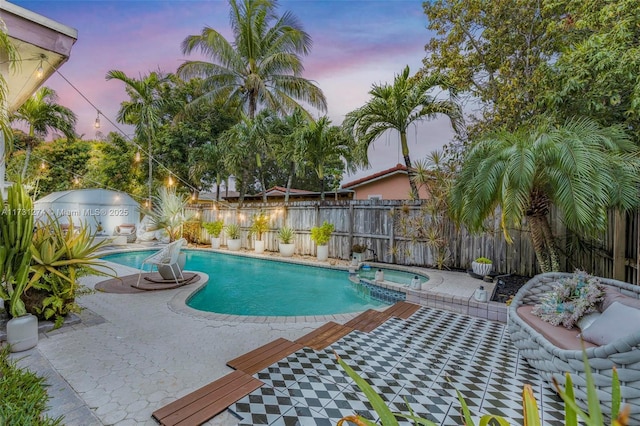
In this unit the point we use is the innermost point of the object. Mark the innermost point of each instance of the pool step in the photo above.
(208, 401)
(323, 336)
(262, 357)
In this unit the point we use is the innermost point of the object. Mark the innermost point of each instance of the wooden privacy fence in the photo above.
(381, 225)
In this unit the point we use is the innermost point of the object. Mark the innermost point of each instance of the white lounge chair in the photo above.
(167, 256)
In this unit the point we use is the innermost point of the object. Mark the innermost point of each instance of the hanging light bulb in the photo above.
(170, 181)
(40, 71)
(193, 197)
(76, 180)
(42, 165)
(137, 159)
(96, 124)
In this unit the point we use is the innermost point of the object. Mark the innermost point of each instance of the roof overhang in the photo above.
(40, 42)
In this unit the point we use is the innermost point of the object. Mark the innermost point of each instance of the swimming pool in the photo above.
(393, 275)
(241, 285)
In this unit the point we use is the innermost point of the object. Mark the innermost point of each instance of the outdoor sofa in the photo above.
(555, 350)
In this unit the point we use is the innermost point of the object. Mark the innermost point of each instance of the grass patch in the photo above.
(23, 394)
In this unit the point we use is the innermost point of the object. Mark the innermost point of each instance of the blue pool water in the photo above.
(247, 286)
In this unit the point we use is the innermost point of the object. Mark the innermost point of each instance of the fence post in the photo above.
(619, 245)
(392, 234)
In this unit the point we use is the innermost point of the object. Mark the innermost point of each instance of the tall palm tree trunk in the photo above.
(27, 157)
(289, 182)
(407, 162)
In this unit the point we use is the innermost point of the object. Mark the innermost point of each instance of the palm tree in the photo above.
(324, 145)
(43, 114)
(143, 110)
(398, 106)
(261, 67)
(287, 145)
(580, 167)
(245, 148)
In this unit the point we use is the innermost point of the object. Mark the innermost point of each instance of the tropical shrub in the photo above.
(59, 258)
(191, 231)
(286, 234)
(16, 227)
(23, 395)
(233, 231)
(322, 234)
(214, 228)
(168, 212)
(483, 260)
(259, 225)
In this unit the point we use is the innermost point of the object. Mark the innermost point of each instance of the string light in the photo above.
(170, 181)
(137, 159)
(43, 166)
(40, 71)
(96, 124)
(76, 180)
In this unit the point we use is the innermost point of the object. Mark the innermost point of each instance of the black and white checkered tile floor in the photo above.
(410, 360)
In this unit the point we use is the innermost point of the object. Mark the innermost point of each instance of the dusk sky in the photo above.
(355, 44)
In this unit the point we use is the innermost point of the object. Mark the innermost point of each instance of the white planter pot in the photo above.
(481, 268)
(259, 246)
(22, 332)
(234, 245)
(322, 253)
(358, 257)
(215, 242)
(286, 250)
(167, 274)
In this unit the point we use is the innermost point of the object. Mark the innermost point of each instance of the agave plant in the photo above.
(58, 258)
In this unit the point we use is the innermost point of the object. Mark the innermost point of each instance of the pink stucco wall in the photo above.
(395, 187)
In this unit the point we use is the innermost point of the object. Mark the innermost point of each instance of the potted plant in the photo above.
(286, 246)
(321, 236)
(259, 225)
(482, 266)
(358, 252)
(16, 230)
(233, 236)
(214, 229)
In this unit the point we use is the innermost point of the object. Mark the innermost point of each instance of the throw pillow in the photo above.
(613, 294)
(587, 320)
(616, 322)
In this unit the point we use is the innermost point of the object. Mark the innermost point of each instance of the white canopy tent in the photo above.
(100, 208)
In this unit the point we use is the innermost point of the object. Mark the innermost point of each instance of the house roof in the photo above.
(397, 169)
(280, 190)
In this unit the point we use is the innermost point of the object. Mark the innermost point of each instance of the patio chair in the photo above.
(167, 256)
(126, 230)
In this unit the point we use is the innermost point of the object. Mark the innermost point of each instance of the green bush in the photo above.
(321, 234)
(214, 228)
(23, 395)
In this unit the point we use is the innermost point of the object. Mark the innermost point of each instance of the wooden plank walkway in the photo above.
(208, 401)
(262, 357)
(325, 335)
(402, 310)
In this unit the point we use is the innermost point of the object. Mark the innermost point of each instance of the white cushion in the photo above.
(616, 322)
(588, 319)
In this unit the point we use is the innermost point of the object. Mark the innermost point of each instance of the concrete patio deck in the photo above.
(134, 353)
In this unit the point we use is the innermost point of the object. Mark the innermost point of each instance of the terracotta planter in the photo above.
(234, 245)
(287, 250)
